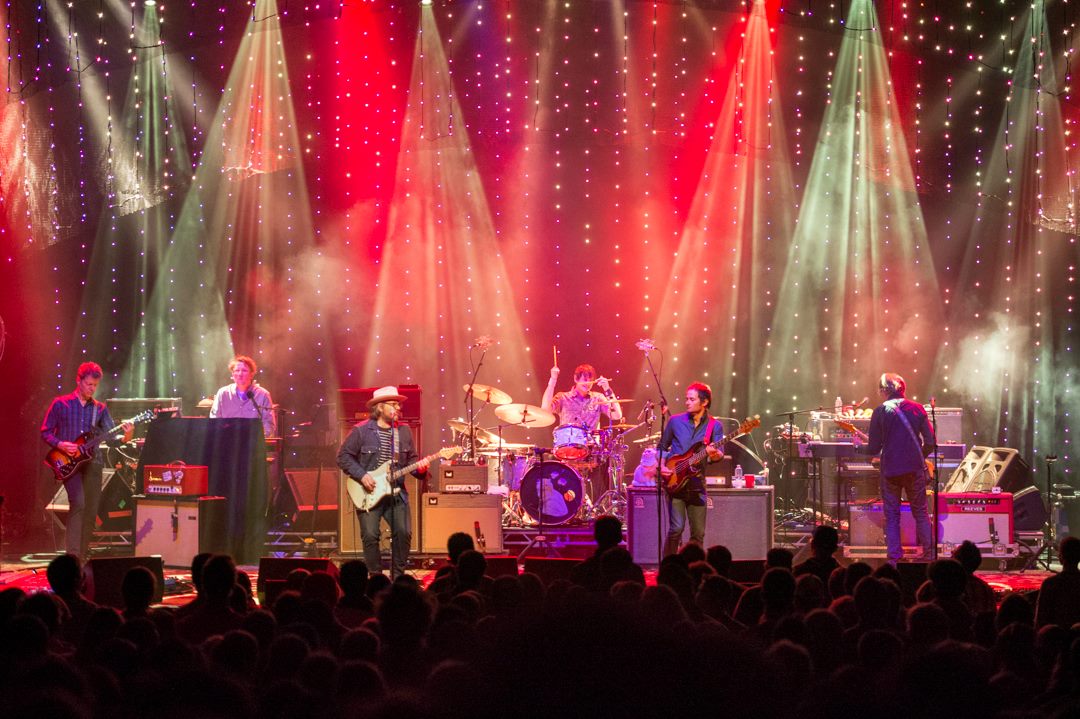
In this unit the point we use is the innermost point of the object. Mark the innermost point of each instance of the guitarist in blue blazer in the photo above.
(686, 498)
(364, 456)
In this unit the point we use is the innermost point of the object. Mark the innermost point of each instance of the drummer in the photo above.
(581, 406)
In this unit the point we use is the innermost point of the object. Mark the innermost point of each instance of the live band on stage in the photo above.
(695, 477)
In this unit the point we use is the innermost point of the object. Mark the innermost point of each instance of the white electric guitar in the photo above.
(385, 479)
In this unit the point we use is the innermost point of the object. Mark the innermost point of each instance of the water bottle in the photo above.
(737, 480)
(838, 408)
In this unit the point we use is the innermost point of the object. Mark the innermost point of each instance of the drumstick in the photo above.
(555, 355)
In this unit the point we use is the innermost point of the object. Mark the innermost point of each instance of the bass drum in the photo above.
(553, 492)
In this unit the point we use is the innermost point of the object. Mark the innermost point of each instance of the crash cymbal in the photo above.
(482, 435)
(491, 395)
(525, 415)
(651, 438)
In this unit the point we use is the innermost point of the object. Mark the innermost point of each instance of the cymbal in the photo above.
(482, 435)
(525, 415)
(486, 393)
(651, 438)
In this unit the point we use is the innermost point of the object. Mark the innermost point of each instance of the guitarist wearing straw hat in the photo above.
(682, 432)
(368, 447)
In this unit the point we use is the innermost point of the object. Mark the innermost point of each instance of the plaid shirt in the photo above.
(68, 417)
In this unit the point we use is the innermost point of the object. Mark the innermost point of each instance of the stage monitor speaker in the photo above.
(445, 514)
(501, 565)
(739, 519)
(178, 529)
(273, 571)
(115, 511)
(984, 468)
(300, 502)
(104, 576)
(1029, 510)
(550, 569)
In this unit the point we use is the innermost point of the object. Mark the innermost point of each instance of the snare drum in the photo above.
(552, 491)
(571, 442)
(514, 467)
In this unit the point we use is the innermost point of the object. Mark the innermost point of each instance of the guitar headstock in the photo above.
(846, 426)
(749, 424)
(145, 416)
(449, 452)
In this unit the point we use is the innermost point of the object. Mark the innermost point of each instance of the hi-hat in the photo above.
(525, 415)
(486, 393)
(651, 438)
(482, 435)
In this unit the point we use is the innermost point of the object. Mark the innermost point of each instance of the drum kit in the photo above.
(577, 478)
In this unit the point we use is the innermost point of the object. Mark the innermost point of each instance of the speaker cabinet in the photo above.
(273, 572)
(178, 529)
(301, 502)
(739, 519)
(1029, 510)
(104, 576)
(445, 514)
(984, 468)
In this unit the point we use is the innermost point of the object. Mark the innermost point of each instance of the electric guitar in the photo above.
(686, 465)
(64, 465)
(876, 461)
(385, 478)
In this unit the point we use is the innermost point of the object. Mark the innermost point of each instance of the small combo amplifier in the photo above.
(176, 479)
(478, 515)
(178, 529)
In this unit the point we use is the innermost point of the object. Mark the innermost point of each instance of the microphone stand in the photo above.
(470, 403)
(660, 539)
(934, 528)
(789, 481)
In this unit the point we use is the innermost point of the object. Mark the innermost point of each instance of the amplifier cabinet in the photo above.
(445, 514)
(178, 529)
(972, 516)
(739, 519)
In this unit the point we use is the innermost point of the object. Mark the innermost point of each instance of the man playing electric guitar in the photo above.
(682, 432)
(369, 446)
(69, 417)
(901, 433)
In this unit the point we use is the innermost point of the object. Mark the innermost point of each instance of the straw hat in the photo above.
(385, 394)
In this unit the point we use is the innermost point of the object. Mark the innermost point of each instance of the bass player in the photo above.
(71, 416)
(370, 445)
(682, 432)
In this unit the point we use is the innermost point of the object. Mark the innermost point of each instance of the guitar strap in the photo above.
(895, 407)
(709, 430)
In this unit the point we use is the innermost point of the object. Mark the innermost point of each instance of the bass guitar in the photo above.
(876, 461)
(684, 466)
(64, 465)
(385, 480)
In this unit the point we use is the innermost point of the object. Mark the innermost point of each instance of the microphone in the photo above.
(483, 342)
(250, 394)
(933, 402)
(646, 410)
(479, 536)
(645, 345)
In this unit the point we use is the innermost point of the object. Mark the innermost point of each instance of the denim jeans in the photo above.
(395, 511)
(84, 497)
(678, 513)
(914, 485)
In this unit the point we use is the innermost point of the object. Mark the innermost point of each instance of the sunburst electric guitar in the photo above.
(876, 461)
(64, 465)
(686, 465)
(385, 478)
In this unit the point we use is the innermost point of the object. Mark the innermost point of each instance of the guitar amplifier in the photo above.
(473, 514)
(178, 529)
(175, 480)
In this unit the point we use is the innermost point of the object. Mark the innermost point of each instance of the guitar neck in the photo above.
(399, 473)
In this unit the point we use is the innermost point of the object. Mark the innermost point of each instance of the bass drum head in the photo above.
(562, 490)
